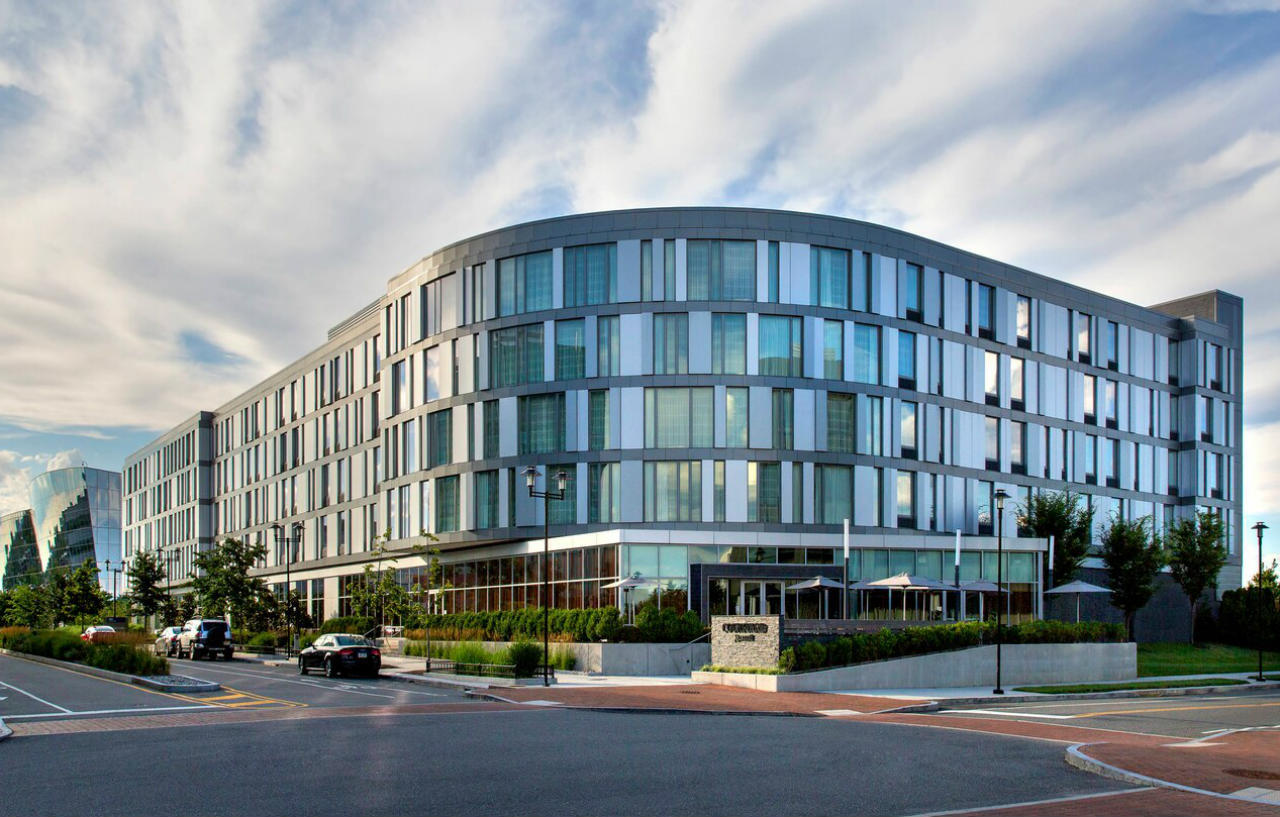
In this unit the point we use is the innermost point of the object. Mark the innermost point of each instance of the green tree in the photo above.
(1196, 556)
(1268, 577)
(167, 614)
(29, 607)
(83, 599)
(4, 608)
(185, 607)
(223, 584)
(1133, 557)
(145, 577)
(56, 588)
(1069, 520)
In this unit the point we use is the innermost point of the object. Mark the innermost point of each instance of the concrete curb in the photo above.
(1078, 759)
(120, 677)
(441, 683)
(1120, 693)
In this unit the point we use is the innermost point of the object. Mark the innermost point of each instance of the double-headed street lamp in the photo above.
(1001, 496)
(114, 589)
(1260, 527)
(289, 542)
(562, 480)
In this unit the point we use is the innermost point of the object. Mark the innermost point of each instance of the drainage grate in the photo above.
(690, 692)
(1253, 774)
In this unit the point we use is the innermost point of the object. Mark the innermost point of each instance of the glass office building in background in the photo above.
(722, 388)
(74, 518)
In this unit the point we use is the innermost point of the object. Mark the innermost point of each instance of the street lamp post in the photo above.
(562, 479)
(114, 593)
(1000, 498)
(289, 541)
(1260, 527)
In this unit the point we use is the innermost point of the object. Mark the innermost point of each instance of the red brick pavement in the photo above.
(1237, 761)
(701, 698)
(1141, 803)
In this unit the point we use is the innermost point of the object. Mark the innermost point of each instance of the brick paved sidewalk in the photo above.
(705, 698)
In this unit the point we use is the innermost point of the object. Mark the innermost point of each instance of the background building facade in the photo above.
(722, 387)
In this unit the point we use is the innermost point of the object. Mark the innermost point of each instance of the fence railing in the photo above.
(447, 667)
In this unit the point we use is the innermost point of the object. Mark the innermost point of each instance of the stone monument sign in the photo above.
(746, 641)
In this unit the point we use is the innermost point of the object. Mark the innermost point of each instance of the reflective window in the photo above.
(833, 350)
(486, 500)
(991, 427)
(564, 511)
(571, 352)
(840, 422)
(773, 272)
(907, 427)
(912, 285)
(679, 417)
(833, 494)
(607, 360)
(736, 416)
(673, 491)
(906, 497)
(764, 492)
(440, 442)
(516, 356)
(590, 274)
(783, 419)
(728, 344)
(1024, 321)
(866, 354)
(604, 496)
(781, 350)
(671, 343)
(541, 423)
(907, 360)
(598, 420)
(524, 283)
(986, 311)
(992, 377)
(446, 504)
(721, 270)
(829, 276)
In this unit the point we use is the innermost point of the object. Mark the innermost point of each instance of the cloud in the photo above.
(15, 474)
(190, 198)
(65, 459)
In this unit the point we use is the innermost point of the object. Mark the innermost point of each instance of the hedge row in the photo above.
(887, 643)
(514, 625)
(68, 647)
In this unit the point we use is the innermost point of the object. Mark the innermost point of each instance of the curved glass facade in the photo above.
(76, 517)
(21, 562)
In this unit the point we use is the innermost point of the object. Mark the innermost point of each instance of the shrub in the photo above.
(886, 643)
(515, 625)
(348, 624)
(262, 640)
(526, 656)
(667, 625)
(127, 659)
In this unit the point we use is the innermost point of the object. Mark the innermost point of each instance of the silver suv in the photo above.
(205, 637)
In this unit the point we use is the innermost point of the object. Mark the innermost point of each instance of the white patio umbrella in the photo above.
(818, 583)
(905, 582)
(1078, 587)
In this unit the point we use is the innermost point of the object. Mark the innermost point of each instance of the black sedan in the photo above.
(341, 654)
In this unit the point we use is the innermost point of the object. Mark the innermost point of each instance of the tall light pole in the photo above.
(1260, 527)
(530, 476)
(1000, 498)
(288, 541)
(114, 594)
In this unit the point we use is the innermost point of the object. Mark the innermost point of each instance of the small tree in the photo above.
(185, 608)
(1196, 556)
(223, 583)
(83, 598)
(1064, 516)
(1267, 578)
(28, 607)
(145, 577)
(1133, 558)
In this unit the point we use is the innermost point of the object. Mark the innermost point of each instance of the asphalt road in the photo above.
(1191, 716)
(35, 692)
(535, 760)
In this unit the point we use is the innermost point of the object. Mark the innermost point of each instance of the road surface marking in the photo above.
(240, 698)
(34, 697)
(1169, 709)
(141, 710)
(1007, 714)
(1068, 799)
(836, 713)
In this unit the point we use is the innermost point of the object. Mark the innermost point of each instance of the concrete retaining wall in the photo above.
(1022, 664)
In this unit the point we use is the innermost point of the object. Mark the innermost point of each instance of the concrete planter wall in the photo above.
(976, 666)
(629, 659)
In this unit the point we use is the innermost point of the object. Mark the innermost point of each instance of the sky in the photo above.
(191, 194)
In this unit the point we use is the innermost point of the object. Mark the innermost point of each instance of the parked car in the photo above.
(167, 640)
(94, 634)
(205, 638)
(341, 654)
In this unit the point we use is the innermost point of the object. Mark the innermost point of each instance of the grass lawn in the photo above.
(1185, 659)
(1071, 689)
